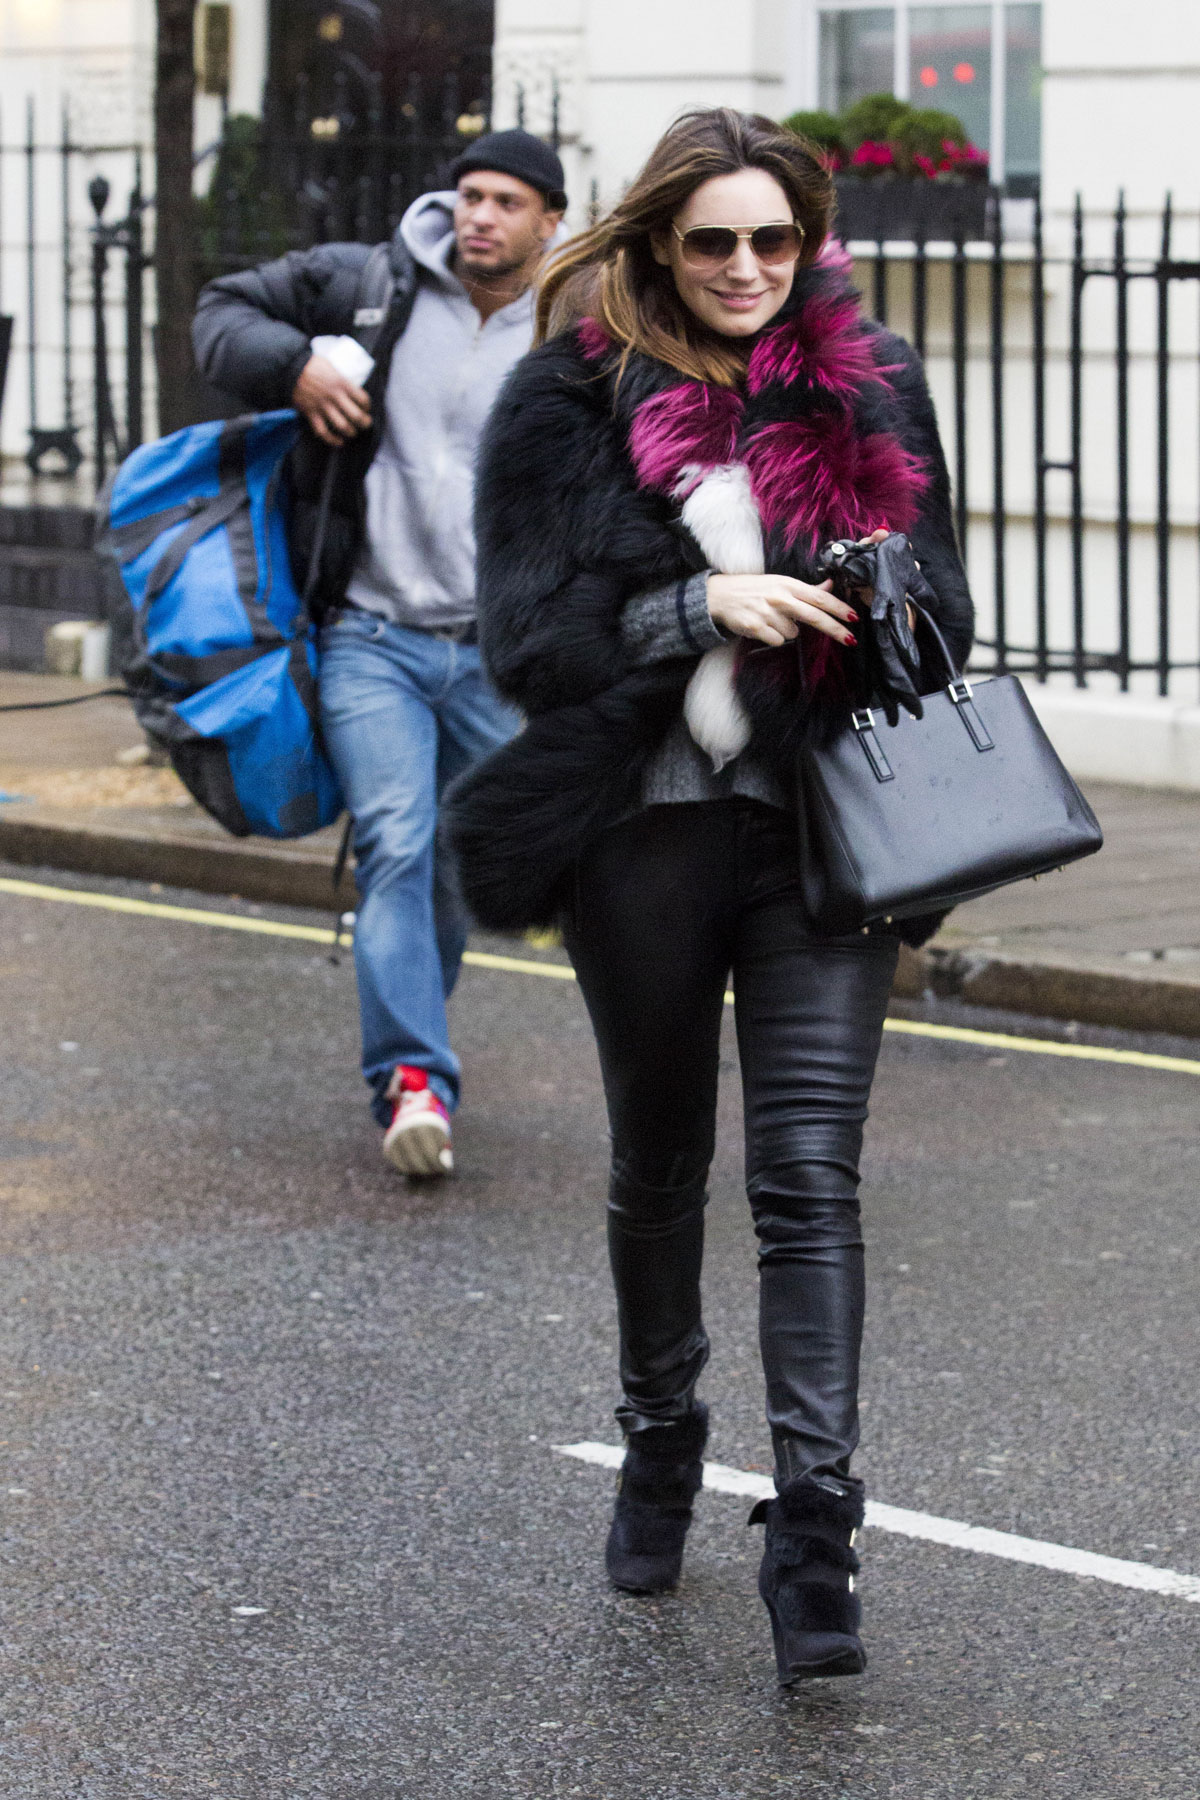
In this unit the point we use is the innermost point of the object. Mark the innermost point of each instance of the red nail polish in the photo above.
(851, 640)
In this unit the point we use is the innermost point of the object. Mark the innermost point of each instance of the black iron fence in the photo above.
(76, 229)
(1065, 358)
(290, 181)
(1063, 351)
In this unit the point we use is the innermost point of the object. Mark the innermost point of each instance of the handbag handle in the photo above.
(953, 672)
(957, 686)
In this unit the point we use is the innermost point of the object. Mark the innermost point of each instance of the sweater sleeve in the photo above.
(670, 621)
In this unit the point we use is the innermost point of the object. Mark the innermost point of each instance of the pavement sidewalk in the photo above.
(1111, 941)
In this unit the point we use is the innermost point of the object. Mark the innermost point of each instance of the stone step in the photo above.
(52, 580)
(47, 527)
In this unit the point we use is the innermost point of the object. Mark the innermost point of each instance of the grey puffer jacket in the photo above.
(252, 336)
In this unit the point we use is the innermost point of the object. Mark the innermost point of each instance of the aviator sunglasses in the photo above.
(711, 246)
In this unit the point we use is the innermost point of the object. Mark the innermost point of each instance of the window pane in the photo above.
(950, 64)
(1023, 92)
(857, 54)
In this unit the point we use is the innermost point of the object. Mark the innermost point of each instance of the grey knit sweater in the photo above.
(675, 621)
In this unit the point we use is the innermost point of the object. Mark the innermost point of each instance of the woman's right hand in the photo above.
(772, 608)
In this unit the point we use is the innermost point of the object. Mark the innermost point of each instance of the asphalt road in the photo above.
(243, 1366)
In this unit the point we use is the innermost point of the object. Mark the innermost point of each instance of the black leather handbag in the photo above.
(914, 817)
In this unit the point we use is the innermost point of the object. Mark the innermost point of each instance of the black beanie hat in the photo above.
(516, 153)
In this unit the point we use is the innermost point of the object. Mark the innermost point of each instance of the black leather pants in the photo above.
(666, 905)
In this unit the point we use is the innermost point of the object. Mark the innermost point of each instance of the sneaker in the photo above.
(417, 1142)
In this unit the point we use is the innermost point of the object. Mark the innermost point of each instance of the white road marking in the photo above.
(952, 1532)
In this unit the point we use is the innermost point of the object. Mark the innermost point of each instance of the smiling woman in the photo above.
(707, 409)
(652, 273)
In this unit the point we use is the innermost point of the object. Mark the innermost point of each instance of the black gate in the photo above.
(76, 224)
(1090, 404)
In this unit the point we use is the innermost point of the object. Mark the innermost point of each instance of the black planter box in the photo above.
(883, 207)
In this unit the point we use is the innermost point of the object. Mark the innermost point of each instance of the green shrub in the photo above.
(242, 216)
(923, 133)
(872, 119)
(822, 129)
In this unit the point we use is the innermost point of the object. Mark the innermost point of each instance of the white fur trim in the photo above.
(721, 515)
(715, 716)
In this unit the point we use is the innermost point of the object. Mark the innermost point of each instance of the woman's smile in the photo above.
(737, 300)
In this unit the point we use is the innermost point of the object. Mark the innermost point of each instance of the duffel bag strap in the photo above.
(131, 540)
(302, 679)
(196, 672)
(229, 506)
(218, 510)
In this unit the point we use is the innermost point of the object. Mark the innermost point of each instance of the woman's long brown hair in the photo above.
(609, 271)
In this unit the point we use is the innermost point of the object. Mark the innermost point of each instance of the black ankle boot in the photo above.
(658, 1481)
(807, 1579)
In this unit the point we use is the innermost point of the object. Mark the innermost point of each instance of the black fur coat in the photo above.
(583, 495)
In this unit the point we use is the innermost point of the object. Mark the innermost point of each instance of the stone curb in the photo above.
(284, 874)
(296, 874)
(1090, 993)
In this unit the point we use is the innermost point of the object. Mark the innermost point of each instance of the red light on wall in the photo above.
(929, 77)
(964, 71)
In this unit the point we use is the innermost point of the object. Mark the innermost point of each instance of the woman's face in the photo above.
(737, 297)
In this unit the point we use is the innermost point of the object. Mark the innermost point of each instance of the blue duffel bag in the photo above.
(222, 656)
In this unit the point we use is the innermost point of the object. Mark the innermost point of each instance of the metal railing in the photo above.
(1071, 427)
(55, 248)
(76, 224)
(1063, 352)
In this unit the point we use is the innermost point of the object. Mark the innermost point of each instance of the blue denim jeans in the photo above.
(404, 712)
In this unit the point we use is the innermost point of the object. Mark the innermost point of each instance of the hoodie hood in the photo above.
(427, 232)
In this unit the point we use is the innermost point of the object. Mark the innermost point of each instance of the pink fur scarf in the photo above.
(791, 460)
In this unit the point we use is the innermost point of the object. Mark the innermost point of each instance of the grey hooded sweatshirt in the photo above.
(417, 565)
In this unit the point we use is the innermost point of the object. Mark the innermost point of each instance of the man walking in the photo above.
(404, 702)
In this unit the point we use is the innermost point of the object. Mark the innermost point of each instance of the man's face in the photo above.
(500, 224)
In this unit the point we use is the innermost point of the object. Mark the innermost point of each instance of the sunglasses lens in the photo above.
(776, 243)
(709, 244)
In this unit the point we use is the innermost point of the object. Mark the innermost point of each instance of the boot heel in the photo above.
(779, 1640)
(659, 1479)
(807, 1582)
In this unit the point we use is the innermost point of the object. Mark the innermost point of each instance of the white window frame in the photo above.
(803, 71)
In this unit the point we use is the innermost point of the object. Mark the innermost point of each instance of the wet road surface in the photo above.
(280, 1513)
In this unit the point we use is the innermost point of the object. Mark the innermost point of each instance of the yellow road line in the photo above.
(998, 1040)
(482, 959)
(154, 909)
(516, 965)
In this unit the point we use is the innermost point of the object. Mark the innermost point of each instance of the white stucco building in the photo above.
(1086, 96)
(1111, 98)
(1069, 95)
(98, 57)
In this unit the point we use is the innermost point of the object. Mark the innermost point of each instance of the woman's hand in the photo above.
(772, 608)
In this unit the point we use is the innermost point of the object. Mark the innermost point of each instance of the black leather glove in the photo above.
(892, 661)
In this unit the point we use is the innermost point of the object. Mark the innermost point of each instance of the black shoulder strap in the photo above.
(383, 303)
(373, 298)
(399, 312)
(383, 299)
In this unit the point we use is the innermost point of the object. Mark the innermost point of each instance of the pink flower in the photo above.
(873, 155)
